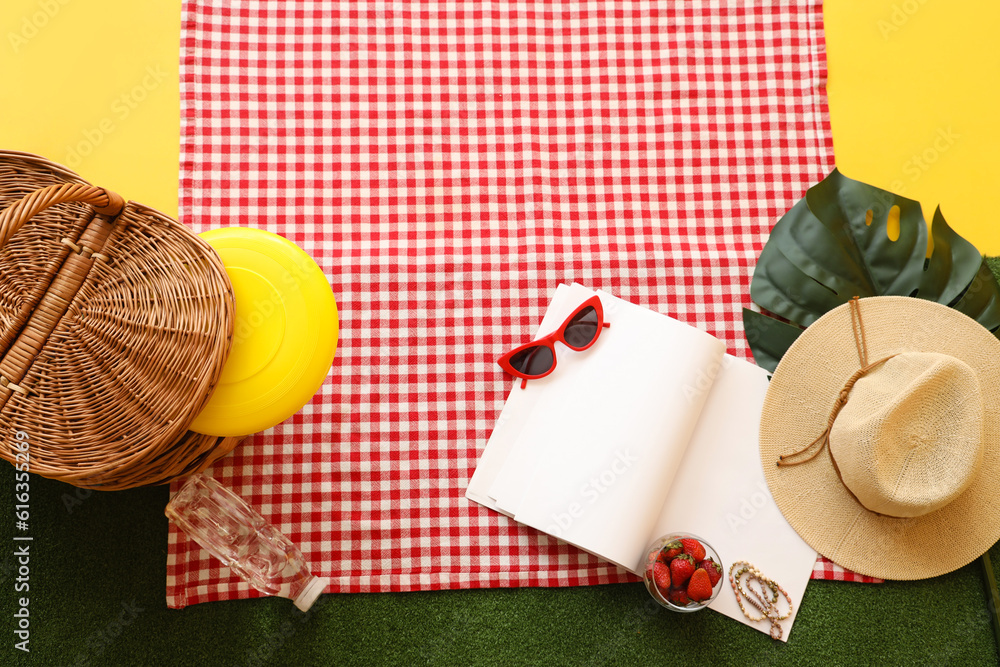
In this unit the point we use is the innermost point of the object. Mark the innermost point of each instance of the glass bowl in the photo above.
(684, 584)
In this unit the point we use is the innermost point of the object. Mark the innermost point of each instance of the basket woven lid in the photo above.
(115, 323)
(284, 337)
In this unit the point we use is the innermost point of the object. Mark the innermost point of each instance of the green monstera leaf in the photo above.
(835, 243)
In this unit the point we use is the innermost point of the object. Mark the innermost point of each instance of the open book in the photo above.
(652, 430)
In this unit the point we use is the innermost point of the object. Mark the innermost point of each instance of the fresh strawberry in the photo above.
(678, 596)
(681, 568)
(693, 548)
(713, 569)
(661, 575)
(669, 550)
(699, 588)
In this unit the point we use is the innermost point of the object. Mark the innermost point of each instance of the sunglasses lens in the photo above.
(582, 329)
(532, 361)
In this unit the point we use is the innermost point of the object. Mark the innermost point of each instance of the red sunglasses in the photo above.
(538, 358)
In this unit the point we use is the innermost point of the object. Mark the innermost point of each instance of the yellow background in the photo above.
(98, 77)
(913, 104)
(912, 91)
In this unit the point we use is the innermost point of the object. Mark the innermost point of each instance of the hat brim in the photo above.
(812, 498)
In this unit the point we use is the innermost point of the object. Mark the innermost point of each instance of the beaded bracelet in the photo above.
(766, 604)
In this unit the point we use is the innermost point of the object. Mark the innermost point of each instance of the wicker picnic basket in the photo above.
(115, 322)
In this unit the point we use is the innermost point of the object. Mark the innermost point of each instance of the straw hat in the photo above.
(887, 413)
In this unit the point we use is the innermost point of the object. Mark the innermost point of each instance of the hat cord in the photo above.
(858, 329)
(823, 440)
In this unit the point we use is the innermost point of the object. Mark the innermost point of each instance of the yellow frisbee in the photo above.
(284, 337)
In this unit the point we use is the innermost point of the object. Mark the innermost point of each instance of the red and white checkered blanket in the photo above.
(448, 164)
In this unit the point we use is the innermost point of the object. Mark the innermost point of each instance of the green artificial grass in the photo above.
(97, 597)
(994, 264)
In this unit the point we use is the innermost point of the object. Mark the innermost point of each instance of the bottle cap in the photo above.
(284, 335)
(310, 593)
